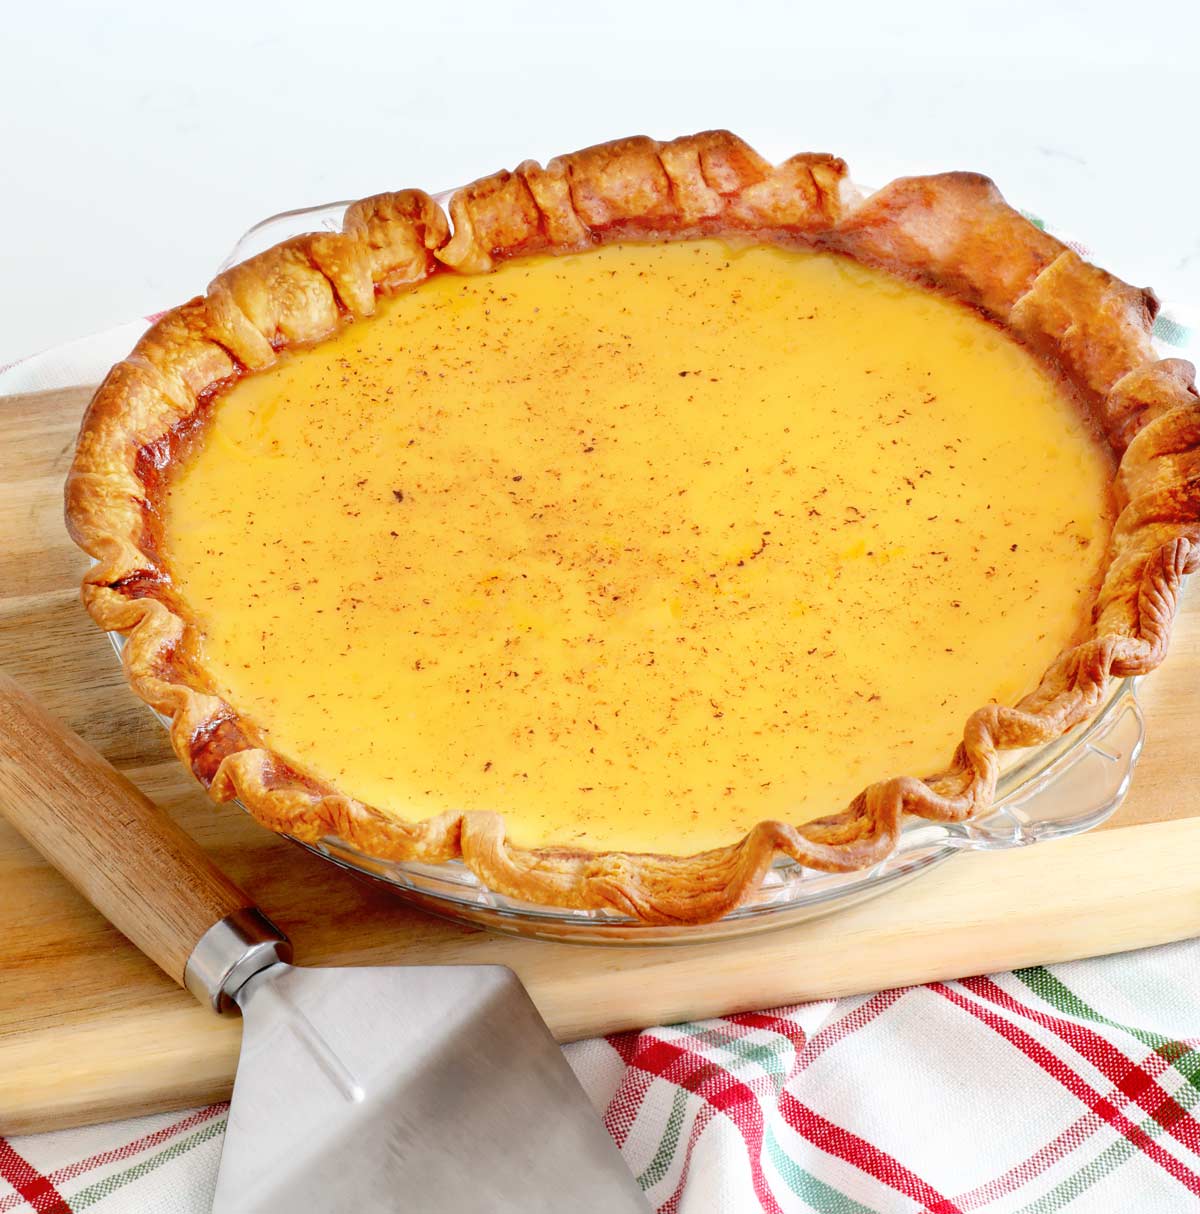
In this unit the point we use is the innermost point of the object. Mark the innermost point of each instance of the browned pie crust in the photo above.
(952, 231)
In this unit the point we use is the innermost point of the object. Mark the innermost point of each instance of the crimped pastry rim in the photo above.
(951, 231)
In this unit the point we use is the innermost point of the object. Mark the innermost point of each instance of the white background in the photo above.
(137, 141)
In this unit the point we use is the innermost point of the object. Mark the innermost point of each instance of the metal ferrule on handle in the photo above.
(230, 953)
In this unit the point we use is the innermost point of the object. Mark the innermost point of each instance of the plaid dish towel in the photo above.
(1066, 1088)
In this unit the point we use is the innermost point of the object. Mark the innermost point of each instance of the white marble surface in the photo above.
(139, 140)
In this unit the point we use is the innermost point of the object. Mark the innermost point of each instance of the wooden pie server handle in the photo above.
(131, 861)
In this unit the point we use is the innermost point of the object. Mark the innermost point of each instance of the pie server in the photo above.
(414, 1088)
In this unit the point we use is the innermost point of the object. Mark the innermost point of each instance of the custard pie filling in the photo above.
(640, 546)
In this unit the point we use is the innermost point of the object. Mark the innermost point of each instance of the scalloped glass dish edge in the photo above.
(1063, 788)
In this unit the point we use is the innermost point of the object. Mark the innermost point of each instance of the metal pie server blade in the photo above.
(415, 1089)
(359, 1090)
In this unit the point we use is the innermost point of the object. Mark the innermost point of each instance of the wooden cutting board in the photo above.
(90, 1030)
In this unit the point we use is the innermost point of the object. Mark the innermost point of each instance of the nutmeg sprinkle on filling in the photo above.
(638, 547)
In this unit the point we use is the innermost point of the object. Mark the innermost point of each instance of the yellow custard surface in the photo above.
(640, 546)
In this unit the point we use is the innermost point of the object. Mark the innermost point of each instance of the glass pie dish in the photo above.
(1051, 791)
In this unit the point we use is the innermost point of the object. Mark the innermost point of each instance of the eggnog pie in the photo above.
(655, 513)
